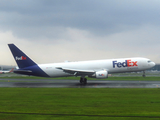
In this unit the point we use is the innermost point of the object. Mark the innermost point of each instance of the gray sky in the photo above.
(57, 30)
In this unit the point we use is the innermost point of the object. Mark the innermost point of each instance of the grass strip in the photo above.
(79, 103)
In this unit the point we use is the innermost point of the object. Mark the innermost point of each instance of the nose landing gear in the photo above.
(144, 75)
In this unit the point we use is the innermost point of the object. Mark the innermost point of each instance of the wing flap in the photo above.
(77, 72)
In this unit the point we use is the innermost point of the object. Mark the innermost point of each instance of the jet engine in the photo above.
(100, 75)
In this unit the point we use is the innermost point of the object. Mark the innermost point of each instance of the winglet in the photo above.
(21, 59)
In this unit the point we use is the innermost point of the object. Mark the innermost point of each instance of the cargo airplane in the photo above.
(94, 69)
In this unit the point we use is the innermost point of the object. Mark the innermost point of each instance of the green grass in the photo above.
(79, 103)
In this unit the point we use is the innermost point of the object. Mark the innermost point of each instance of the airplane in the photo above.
(3, 71)
(94, 69)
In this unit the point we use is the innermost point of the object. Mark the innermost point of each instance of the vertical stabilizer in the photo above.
(21, 59)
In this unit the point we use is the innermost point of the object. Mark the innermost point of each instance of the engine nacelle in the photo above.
(100, 75)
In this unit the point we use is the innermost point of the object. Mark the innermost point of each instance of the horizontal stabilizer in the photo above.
(26, 72)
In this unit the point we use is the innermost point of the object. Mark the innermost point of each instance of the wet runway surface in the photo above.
(35, 83)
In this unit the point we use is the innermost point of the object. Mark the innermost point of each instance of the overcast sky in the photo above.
(51, 31)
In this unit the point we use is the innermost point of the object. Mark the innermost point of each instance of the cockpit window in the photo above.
(149, 61)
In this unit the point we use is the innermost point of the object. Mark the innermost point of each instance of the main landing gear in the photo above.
(83, 80)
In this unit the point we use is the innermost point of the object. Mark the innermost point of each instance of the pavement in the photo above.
(47, 83)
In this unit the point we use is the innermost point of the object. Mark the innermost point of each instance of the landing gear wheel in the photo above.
(143, 74)
(83, 80)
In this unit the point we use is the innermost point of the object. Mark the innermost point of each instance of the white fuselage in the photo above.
(110, 65)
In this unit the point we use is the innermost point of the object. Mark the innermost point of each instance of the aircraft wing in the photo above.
(77, 72)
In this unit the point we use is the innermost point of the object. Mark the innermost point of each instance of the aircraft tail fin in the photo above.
(11, 70)
(21, 59)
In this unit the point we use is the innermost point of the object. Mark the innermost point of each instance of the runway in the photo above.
(47, 83)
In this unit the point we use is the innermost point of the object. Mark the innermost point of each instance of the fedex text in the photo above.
(126, 63)
(20, 58)
(100, 74)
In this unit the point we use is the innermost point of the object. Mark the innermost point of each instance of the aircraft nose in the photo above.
(153, 64)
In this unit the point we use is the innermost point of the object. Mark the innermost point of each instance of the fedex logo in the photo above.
(127, 63)
(101, 75)
(20, 58)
